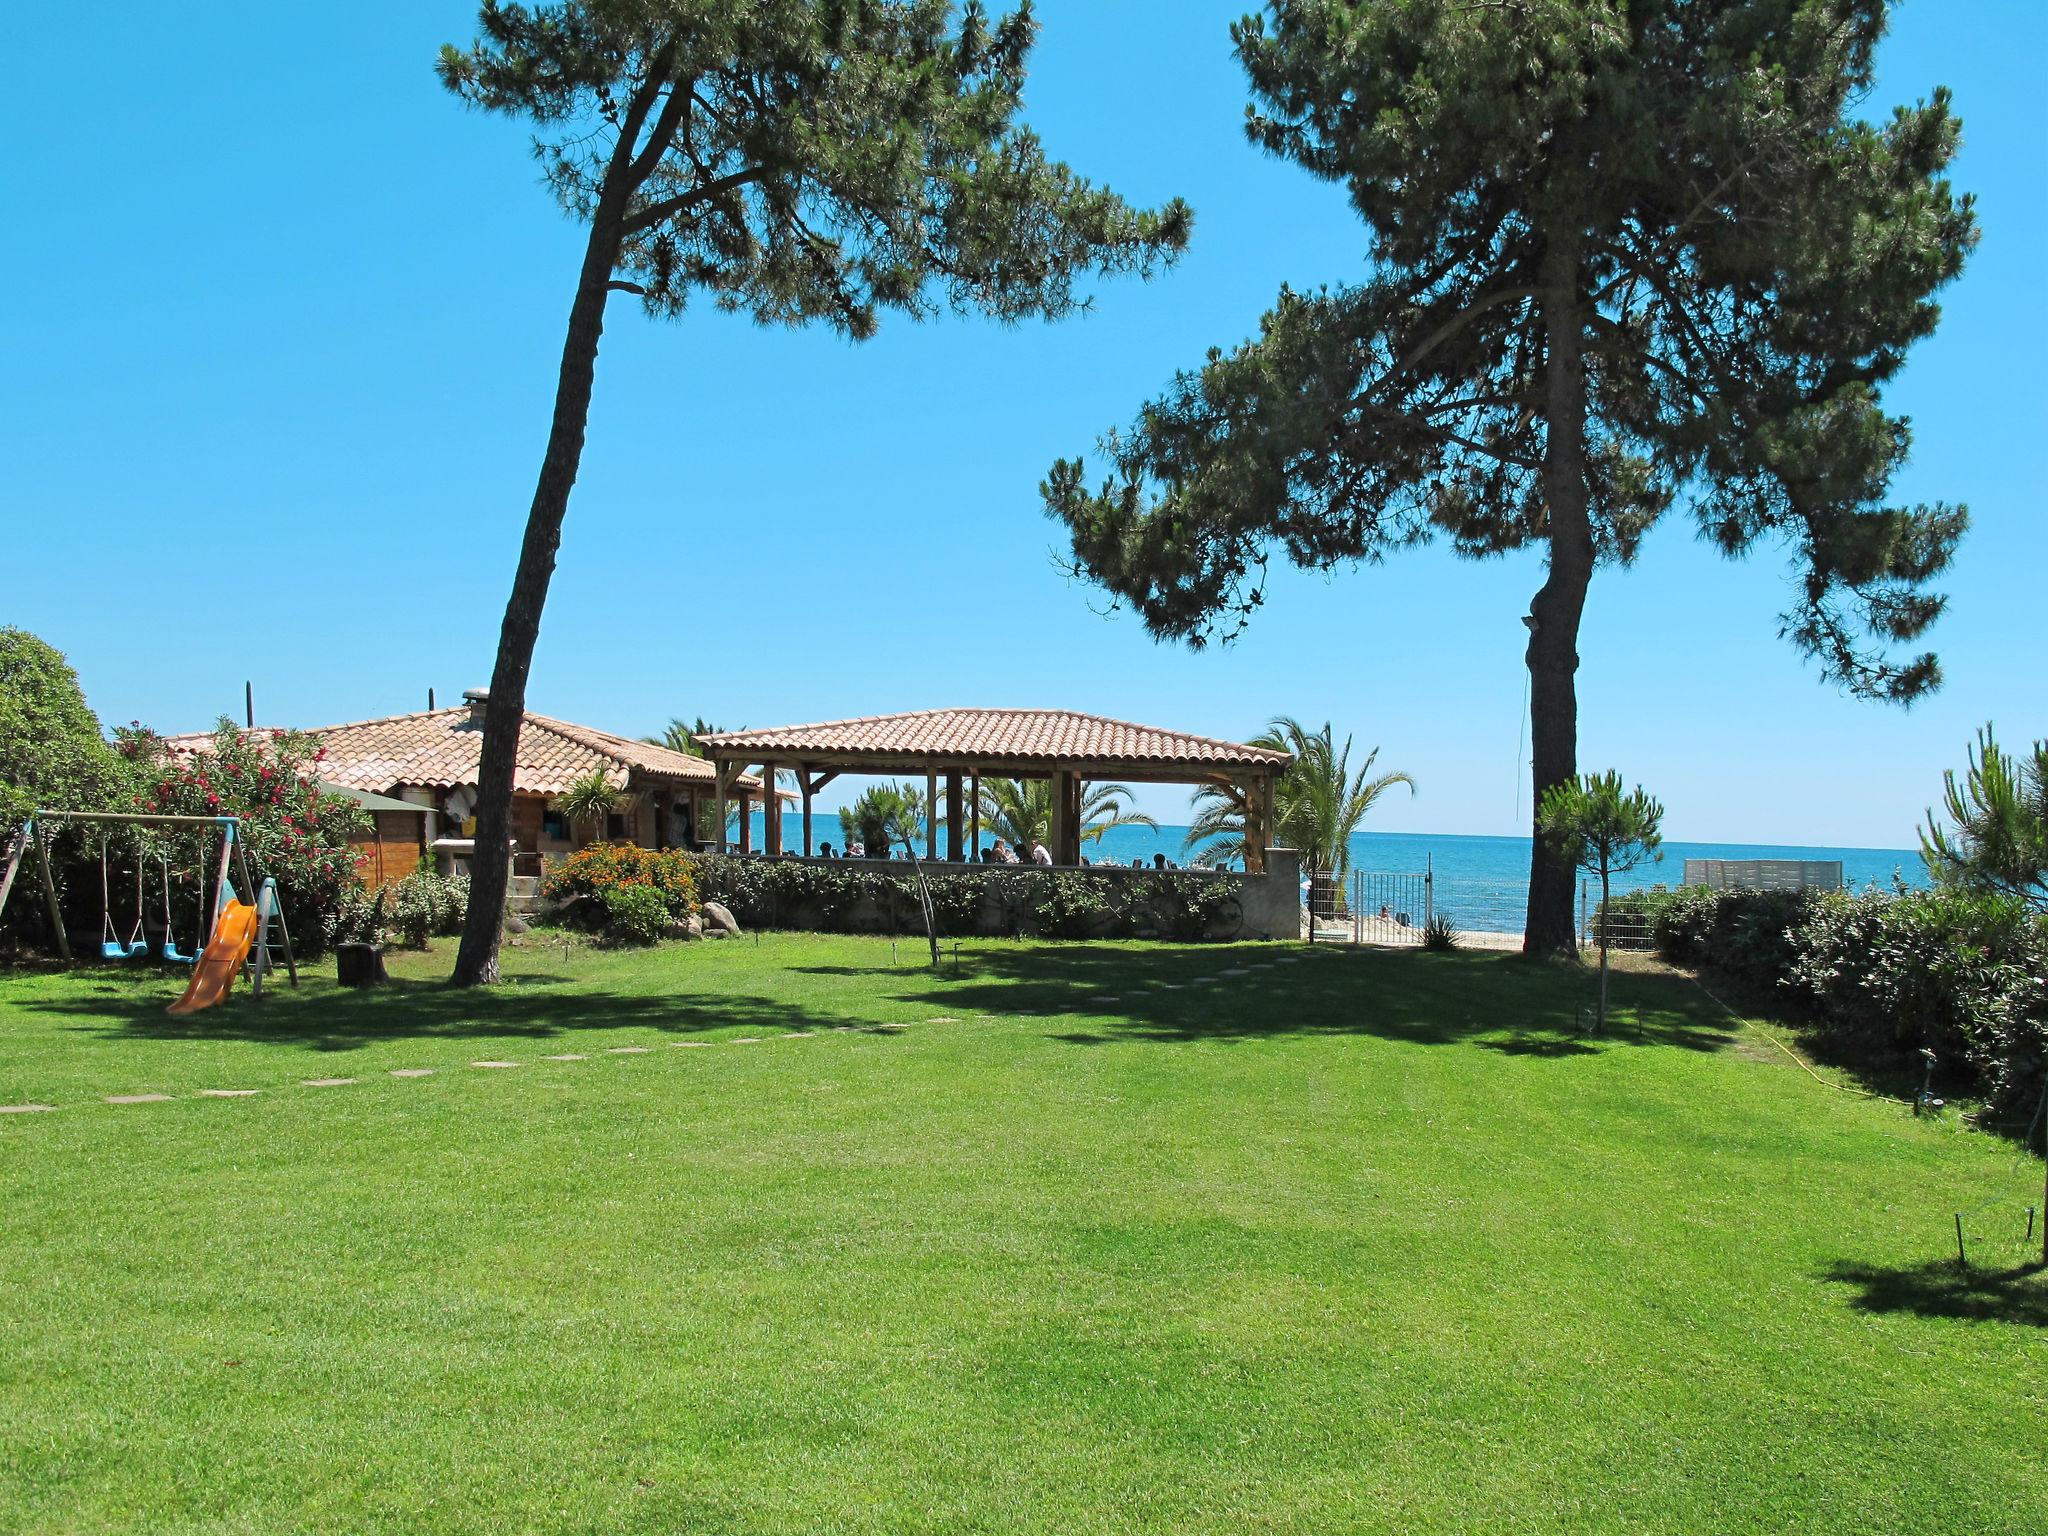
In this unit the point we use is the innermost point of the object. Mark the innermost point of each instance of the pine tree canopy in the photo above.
(1626, 255)
(803, 161)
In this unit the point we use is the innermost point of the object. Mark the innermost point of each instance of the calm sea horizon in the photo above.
(1482, 883)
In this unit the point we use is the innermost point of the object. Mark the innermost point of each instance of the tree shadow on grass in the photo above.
(1158, 992)
(1943, 1288)
(528, 1008)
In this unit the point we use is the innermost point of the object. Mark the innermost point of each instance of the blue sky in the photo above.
(280, 346)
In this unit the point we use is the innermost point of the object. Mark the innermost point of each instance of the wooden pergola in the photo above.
(958, 748)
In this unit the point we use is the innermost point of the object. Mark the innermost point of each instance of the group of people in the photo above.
(1003, 853)
(999, 853)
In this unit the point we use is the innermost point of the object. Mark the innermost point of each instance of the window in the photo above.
(555, 825)
(615, 825)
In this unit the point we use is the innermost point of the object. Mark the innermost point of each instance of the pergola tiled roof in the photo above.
(1020, 737)
(1062, 745)
(441, 749)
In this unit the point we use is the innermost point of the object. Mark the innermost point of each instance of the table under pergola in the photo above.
(953, 750)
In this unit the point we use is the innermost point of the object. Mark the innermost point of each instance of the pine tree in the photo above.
(801, 161)
(1627, 255)
(1589, 823)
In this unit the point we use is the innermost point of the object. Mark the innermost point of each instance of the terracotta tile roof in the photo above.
(440, 749)
(1001, 735)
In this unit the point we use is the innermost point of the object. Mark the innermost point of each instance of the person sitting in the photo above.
(1005, 854)
(1159, 861)
(1039, 855)
(824, 850)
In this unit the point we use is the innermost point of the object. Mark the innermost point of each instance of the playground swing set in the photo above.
(237, 933)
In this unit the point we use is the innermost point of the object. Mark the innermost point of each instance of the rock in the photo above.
(360, 965)
(687, 928)
(514, 923)
(718, 920)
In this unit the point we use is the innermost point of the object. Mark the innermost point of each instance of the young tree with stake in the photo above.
(1627, 255)
(796, 160)
(1590, 823)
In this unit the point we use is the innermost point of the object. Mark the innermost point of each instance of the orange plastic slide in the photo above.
(225, 955)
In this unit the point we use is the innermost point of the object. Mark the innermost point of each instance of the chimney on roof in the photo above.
(478, 699)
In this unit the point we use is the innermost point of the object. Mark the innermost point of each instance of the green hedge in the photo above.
(1884, 974)
(855, 896)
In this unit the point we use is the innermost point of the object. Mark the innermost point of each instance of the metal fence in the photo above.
(1626, 928)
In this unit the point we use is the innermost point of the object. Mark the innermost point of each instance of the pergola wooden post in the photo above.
(803, 784)
(1265, 838)
(771, 813)
(974, 814)
(1062, 817)
(722, 775)
(746, 822)
(953, 816)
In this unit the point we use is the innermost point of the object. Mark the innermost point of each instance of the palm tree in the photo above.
(589, 800)
(686, 739)
(1317, 805)
(683, 738)
(884, 814)
(1020, 811)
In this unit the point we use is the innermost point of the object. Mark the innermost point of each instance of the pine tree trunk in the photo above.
(1553, 654)
(476, 962)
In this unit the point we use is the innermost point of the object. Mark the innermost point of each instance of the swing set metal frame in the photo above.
(268, 909)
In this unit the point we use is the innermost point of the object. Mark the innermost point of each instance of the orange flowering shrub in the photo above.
(603, 867)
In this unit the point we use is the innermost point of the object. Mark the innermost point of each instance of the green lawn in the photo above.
(1366, 1242)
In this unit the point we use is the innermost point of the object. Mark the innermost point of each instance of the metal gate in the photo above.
(1389, 907)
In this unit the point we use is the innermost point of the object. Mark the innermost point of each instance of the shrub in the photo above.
(855, 896)
(52, 754)
(635, 914)
(589, 872)
(1438, 933)
(424, 905)
(1884, 974)
(358, 918)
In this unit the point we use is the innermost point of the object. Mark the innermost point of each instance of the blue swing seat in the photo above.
(171, 956)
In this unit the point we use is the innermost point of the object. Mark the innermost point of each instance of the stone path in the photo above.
(891, 1027)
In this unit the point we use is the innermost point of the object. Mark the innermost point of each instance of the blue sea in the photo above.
(1482, 883)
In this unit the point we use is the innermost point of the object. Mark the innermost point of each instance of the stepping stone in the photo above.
(138, 1098)
(412, 1071)
(229, 1093)
(25, 1109)
(1203, 981)
(626, 1050)
(798, 1034)
(1105, 998)
(686, 1045)
(745, 1040)
(1169, 986)
(566, 1056)
(326, 1082)
(494, 1063)
(942, 1021)
(1263, 965)
(1235, 970)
